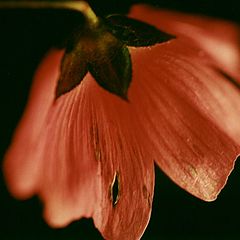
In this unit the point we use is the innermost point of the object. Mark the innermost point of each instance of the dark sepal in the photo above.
(73, 70)
(108, 61)
(135, 33)
(113, 70)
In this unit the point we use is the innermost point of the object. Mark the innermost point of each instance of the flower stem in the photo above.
(80, 6)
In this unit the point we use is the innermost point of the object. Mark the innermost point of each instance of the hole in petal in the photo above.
(115, 189)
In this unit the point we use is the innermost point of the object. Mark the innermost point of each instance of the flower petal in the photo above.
(120, 145)
(190, 113)
(21, 171)
(219, 38)
(83, 157)
(43, 158)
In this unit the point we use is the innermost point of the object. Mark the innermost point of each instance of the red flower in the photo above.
(91, 154)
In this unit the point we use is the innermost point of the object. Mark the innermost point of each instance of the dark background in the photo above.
(24, 38)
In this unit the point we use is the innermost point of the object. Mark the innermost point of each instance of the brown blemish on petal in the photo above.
(145, 192)
(115, 189)
(146, 195)
(228, 77)
(97, 155)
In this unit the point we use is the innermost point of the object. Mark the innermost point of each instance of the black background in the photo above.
(24, 38)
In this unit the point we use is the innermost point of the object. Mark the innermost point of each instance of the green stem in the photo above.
(80, 6)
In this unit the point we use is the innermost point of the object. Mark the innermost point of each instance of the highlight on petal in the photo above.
(82, 157)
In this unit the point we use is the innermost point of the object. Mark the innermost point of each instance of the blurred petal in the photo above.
(75, 149)
(219, 38)
(21, 170)
(43, 158)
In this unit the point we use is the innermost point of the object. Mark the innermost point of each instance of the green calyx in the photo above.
(101, 48)
(99, 52)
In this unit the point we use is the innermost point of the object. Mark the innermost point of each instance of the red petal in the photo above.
(218, 38)
(120, 144)
(44, 158)
(79, 143)
(194, 110)
(21, 170)
(190, 113)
